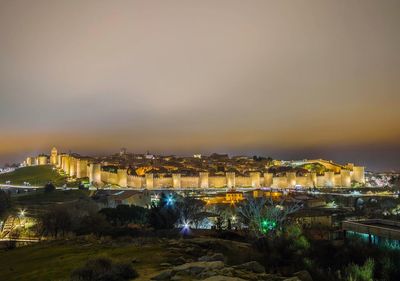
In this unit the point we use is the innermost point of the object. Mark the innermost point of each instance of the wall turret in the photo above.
(268, 179)
(291, 179)
(95, 173)
(203, 180)
(329, 179)
(358, 174)
(122, 177)
(230, 180)
(255, 179)
(345, 178)
(176, 180)
(149, 180)
(81, 168)
(53, 156)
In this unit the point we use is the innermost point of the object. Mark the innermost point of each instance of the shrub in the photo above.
(124, 214)
(104, 269)
(5, 202)
(49, 187)
(361, 273)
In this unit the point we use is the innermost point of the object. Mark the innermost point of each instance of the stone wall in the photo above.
(243, 181)
(79, 168)
(190, 182)
(135, 181)
(217, 181)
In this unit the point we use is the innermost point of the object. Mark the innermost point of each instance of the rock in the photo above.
(292, 279)
(213, 257)
(165, 264)
(303, 275)
(180, 260)
(223, 278)
(163, 275)
(174, 250)
(189, 250)
(176, 278)
(252, 266)
(268, 277)
(246, 275)
(206, 274)
(197, 267)
(227, 271)
(134, 260)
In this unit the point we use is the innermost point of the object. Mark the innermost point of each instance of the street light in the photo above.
(22, 213)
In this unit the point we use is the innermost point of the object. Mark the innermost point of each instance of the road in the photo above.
(394, 195)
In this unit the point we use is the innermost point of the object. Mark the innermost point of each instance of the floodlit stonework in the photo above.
(81, 167)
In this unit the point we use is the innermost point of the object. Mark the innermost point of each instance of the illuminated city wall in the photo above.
(29, 161)
(255, 179)
(304, 181)
(329, 179)
(230, 180)
(189, 182)
(279, 182)
(358, 174)
(42, 160)
(160, 182)
(122, 177)
(243, 181)
(345, 178)
(217, 181)
(291, 179)
(149, 181)
(80, 168)
(176, 180)
(95, 173)
(268, 179)
(72, 166)
(320, 180)
(203, 180)
(53, 156)
(135, 181)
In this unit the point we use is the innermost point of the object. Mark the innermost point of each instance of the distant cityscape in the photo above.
(214, 171)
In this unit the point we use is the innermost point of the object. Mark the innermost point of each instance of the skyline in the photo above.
(270, 78)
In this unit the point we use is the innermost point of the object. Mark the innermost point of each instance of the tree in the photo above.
(5, 202)
(49, 187)
(124, 214)
(191, 211)
(165, 214)
(94, 223)
(264, 217)
(56, 221)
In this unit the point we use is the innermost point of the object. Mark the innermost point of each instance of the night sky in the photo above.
(287, 79)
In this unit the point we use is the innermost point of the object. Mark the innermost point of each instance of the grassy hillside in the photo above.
(35, 175)
(38, 201)
(55, 260)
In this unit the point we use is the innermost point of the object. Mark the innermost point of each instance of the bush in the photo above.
(124, 214)
(104, 269)
(56, 221)
(5, 202)
(361, 273)
(93, 223)
(49, 187)
(163, 217)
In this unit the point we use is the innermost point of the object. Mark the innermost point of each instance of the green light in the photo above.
(267, 225)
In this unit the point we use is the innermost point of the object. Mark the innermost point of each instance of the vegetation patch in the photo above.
(35, 176)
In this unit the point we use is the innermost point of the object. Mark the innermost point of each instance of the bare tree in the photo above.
(191, 211)
(264, 216)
